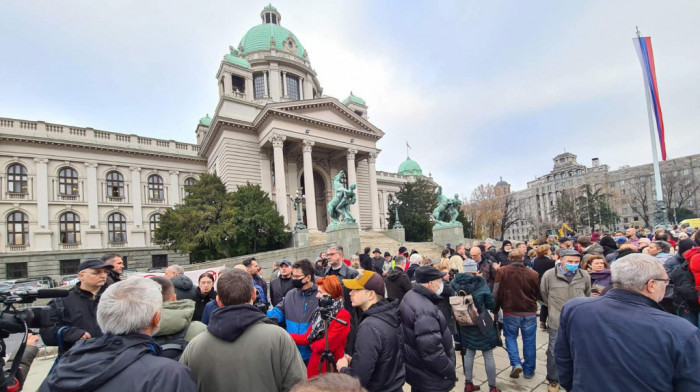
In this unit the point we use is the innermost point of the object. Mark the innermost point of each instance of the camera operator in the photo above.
(330, 305)
(78, 311)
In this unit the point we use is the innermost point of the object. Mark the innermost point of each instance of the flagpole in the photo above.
(659, 218)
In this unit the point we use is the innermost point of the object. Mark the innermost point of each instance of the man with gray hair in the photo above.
(125, 358)
(654, 350)
(184, 288)
(661, 250)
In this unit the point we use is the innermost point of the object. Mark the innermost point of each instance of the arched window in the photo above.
(188, 182)
(17, 228)
(17, 179)
(69, 224)
(115, 184)
(116, 227)
(155, 187)
(153, 224)
(68, 182)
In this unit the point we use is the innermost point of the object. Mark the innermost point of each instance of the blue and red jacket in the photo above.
(295, 310)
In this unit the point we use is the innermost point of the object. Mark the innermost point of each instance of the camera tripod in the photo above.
(327, 357)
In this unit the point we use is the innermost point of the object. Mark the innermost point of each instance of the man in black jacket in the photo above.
(397, 281)
(377, 261)
(377, 359)
(366, 260)
(78, 311)
(113, 275)
(282, 284)
(125, 358)
(428, 350)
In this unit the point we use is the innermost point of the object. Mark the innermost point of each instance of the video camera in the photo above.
(13, 320)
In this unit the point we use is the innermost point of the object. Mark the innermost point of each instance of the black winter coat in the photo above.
(397, 283)
(502, 257)
(366, 262)
(200, 301)
(428, 350)
(684, 288)
(118, 363)
(471, 337)
(77, 311)
(377, 359)
(279, 288)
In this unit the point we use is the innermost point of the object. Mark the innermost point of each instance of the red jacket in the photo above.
(693, 257)
(337, 337)
(347, 262)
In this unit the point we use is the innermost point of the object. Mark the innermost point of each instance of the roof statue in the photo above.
(339, 206)
(447, 210)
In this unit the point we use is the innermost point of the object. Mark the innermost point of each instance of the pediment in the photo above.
(327, 110)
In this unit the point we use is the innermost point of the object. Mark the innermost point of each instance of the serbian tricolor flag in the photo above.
(646, 59)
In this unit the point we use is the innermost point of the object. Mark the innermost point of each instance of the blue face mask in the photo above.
(571, 267)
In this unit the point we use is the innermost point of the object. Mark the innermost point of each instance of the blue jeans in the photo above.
(528, 326)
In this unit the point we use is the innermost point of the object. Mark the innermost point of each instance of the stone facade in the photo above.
(69, 192)
(537, 202)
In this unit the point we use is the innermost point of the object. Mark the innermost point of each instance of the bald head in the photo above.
(475, 254)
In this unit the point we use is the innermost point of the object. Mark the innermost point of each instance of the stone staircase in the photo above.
(377, 239)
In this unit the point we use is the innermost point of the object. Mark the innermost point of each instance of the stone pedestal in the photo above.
(301, 238)
(346, 235)
(452, 234)
(398, 235)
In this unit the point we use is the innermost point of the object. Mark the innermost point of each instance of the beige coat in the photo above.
(556, 290)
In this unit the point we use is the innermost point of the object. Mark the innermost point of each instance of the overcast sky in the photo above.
(479, 89)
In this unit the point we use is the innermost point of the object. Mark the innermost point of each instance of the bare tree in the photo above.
(510, 208)
(565, 208)
(639, 197)
(678, 189)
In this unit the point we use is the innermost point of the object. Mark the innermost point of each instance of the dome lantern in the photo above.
(269, 14)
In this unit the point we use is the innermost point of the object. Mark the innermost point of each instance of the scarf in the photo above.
(317, 322)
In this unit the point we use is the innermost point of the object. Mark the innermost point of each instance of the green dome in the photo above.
(355, 99)
(410, 168)
(206, 121)
(258, 39)
(235, 60)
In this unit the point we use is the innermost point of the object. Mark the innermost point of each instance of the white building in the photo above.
(69, 193)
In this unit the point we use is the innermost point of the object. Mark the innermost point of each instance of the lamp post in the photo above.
(297, 206)
(397, 223)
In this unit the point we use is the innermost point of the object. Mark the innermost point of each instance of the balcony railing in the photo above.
(17, 248)
(70, 246)
(117, 244)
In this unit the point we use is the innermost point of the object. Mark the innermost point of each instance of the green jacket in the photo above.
(556, 290)
(175, 317)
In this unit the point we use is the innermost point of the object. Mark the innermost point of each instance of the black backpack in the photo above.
(174, 345)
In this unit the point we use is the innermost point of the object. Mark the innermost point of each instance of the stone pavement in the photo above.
(41, 367)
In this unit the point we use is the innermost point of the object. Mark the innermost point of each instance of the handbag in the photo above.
(463, 309)
(484, 321)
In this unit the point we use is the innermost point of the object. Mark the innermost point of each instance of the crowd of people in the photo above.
(621, 311)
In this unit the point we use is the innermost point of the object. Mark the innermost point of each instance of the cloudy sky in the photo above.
(479, 89)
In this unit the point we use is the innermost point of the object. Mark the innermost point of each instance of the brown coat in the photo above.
(516, 289)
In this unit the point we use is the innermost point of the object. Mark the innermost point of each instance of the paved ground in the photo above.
(42, 366)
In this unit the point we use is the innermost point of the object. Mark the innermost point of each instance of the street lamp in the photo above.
(297, 206)
(397, 223)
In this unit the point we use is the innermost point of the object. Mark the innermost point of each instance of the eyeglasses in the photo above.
(661, 280)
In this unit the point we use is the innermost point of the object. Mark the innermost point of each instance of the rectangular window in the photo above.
(16, 270)
(238, 84)
(69, 267)
(259, 85)
(292, 87)
(159, 261)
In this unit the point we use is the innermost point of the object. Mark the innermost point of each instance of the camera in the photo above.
(325, 301)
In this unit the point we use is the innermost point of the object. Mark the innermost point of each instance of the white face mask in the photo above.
(439, 290)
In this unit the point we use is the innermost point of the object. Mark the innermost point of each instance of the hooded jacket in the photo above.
(243, 351)
(377, 360)
(118, 363)
(77, 311)
(428, 350)
(397, 283)
(175, 317)
(470, 336)
(296, 310)
(184, 288)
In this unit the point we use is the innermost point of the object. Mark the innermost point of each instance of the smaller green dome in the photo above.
(206, 121)
(234, 59)
(410, 168)
(354, 99)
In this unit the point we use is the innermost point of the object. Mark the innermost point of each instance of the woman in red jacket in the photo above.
(337, 332)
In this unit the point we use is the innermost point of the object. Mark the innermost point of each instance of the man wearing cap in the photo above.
(282, 284)
(560, 284)
(565, 242)
(428, 349)
(389, 263)
(78, 311)
(377, 261)
(377, 360)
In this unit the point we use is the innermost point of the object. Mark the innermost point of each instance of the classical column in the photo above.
(42, 235)
(352, 179)
(136, 196)
(92, 195)
(265, 170)
(309, 191)
(174, 187)
(280, 181)
(373, 193)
